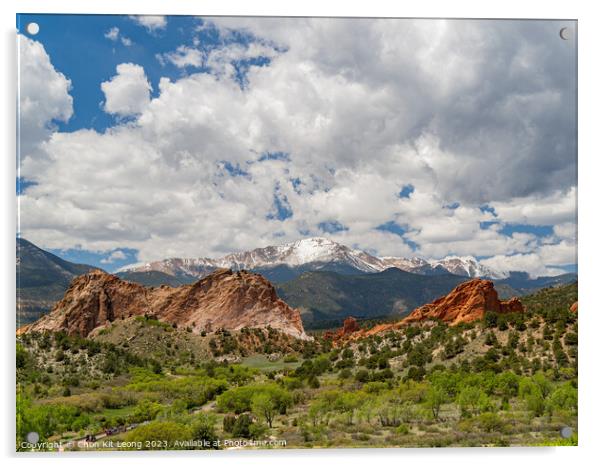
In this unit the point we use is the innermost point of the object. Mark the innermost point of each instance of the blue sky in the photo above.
(79, 49)
(108, 260)
(271, 130)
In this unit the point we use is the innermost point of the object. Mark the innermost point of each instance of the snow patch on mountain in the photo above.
(466, 266)
(316, 250)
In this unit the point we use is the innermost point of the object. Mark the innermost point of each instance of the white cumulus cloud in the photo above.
(467, 113)
(150, 22)
(43, 95)
(112, 34)
(115, 35)
(114, 256)
(128, 92)
(557, 207)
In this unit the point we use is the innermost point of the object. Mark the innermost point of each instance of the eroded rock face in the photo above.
(467, 302)
(512, 305)
(223, 299)
(350, 326)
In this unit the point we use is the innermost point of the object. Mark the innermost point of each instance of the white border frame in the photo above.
(590, 77)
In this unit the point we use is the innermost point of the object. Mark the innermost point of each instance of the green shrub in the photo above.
(570, 339)
(162, 435)
(362, 376)
(491, 319)
(145, 411)
(238, 400)
(402, 429)
(203, 430)
(490, 422)
(415, 373)
(242, 426)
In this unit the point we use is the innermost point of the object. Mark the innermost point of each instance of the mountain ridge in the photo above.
(40, 285)
(328, 296)
(314, 253)
(42, 279)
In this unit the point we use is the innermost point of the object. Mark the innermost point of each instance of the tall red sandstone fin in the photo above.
(467, 302)
(223, 299)
(350, 326)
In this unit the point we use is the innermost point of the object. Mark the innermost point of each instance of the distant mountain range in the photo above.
(287, 261)
(327, 281)
(42, 279)
(329, 297)
(326, 298)
(519, 283)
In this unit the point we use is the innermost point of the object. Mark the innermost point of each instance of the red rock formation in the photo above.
(512, 305)
(574, 307)
(350, 326)
(467, 302)
(223, 299)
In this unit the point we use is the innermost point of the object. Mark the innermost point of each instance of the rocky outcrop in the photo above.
(512, 305)
(350, 326)
(223, 299)
(467, 302)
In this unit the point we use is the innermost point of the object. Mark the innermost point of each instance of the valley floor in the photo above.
(509, 380)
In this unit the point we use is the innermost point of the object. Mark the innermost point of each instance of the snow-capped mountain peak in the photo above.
(317, 251)
(466, 266)
(301, 252)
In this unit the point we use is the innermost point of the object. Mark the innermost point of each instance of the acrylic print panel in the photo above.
(243, 232)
